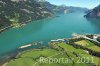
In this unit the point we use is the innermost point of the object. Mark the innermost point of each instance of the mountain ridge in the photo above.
(17, 11)
(94, 13)
(14, 12)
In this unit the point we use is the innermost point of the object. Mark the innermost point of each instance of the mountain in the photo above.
(52, 8)
(15, 12)
(61, 8)
(94, 13)
(77, 9)
(19, 11)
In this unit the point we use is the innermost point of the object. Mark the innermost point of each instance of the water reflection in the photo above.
(96, 23)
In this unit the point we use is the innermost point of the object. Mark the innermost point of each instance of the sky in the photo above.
(77, 3)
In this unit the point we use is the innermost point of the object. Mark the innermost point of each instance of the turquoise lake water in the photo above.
(46, 30)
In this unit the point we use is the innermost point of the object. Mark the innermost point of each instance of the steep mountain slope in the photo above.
(17, 11)
(94, 13)
(13, 12)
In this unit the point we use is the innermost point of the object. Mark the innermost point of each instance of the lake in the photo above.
(46, 30)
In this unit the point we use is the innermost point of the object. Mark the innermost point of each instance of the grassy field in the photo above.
(31, 58)
(82, 54)
(70, 54)
(88, 44)
(84, 43)
(71, 51)
(95, 48)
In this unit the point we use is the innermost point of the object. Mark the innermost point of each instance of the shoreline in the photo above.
(6, 57)
(10, 26)
(16, 52)
(21, 24)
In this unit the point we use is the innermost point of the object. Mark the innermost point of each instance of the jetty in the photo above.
(25, 46)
